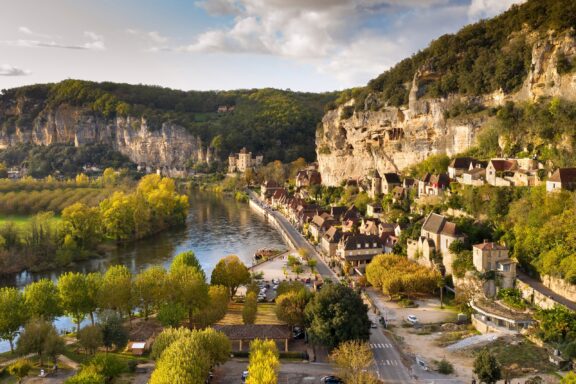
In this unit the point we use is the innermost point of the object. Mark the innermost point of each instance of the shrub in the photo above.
(445, 367)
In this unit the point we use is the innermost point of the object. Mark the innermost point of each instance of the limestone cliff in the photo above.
(170, 146)
(351, 142)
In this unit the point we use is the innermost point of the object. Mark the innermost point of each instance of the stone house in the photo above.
(562, 179)
(374, 210)
(433, 185)
(375, 184)
(512, 172)
(319, 225)
(489, 256)
(432, 248)
(389, 182)
(308, 177)
(330, 240)
(278, 197)
(475, 177)
(358, 250)
(369, 226)
(268, 188)
(459, 165)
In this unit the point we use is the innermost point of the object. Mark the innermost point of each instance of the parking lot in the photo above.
(290, 372)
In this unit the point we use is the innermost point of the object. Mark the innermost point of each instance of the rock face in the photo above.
(391, 139)
(170, 146)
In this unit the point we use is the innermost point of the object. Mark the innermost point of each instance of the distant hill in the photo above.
(280, 124)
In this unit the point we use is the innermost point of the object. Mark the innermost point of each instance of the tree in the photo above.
(172, 314)
(570, 378)
(87, 375)
(90, 338)
(114, 334)
(250, 308)
(93, 285)
(291, 306)
(263, 364)
(107, 365)
(183, 361)
(289, 286)
(20, 369)
(337, 314)
(166, 338)
(149, 288)
(216, 344)
(83, 224)
(116, 290)
(353, 359)
(218, 298)
(74, 296)
(42, 300)
(487, 368)
(40, 337)
(13, 314)
(189, 289)
(189, 259)
(230, 272)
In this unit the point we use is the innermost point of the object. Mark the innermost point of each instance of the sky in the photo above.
(304, 45)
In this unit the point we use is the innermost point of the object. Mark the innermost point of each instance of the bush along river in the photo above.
(216, 226)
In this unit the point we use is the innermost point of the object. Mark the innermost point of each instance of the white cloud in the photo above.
(45, 41)
(151, 36)
(9, 70)
(488, 8)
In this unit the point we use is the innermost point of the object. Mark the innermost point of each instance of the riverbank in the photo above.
(291, 236)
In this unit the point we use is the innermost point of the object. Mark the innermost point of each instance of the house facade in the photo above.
(490, 256)
(562, 179)
(358, 250)
(242, 161)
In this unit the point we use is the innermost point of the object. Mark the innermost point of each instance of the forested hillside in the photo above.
(277, 123)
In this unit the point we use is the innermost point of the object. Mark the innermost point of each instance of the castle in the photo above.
(243, 160)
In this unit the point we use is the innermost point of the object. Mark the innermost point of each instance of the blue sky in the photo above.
(307, 45)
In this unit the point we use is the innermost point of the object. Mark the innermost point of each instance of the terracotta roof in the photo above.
(255, 331)
(490, 246)
(392, 178)
(501, 165)
(564, 175)
(279, 193)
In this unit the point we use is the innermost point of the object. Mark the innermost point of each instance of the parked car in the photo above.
(331, 380)
(421, 363)
(412, 319)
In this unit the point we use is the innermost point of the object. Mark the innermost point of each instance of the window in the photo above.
(375, 245)
(358, 245)
(367, 245)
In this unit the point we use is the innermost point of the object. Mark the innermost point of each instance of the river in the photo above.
(216, 226)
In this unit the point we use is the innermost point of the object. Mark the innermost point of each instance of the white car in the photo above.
(412, 319)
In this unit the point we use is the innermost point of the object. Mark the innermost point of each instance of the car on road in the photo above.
(244, 376)
(412, 319)
(373, 325)
(421, 363)
(331, 380)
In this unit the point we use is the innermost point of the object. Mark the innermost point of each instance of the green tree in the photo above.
(337, 314)
(290, 307)
(250, 308)
(189, 289)
(74, 296)
(13, 314)
(114, 334)
(219, 299)
(172, 314)
(108, 365)
(264, 363)
(87, 375)
(183, 361)
(487, 368)
(42, 300)
(166, 338)
(20, 369)
(40, 337)
(149, 289)
(116, 290)
(187, 259)
(83, 224)
(570, 378)
(230, 272)
(289, 286)
(90, 338)
(93, 286)
(353, 358)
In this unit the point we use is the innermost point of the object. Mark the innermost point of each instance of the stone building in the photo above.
(358, 250)
(563, 178)
(242, 161)
(489, 256)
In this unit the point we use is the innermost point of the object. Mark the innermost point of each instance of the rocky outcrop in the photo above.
(391, 139)
(169, 146)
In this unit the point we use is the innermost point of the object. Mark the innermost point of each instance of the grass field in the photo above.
(265, 315)
(22, 221)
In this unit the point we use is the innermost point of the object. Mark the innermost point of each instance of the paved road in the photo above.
(387, 360)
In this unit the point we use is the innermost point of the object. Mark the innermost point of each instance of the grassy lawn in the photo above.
(22, 221)
(265, 315)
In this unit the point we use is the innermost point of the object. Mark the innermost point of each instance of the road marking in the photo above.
(380, 345)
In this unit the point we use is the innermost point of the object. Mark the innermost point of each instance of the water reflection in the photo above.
(216, 227)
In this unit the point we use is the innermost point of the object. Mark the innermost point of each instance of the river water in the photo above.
(216, 226)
